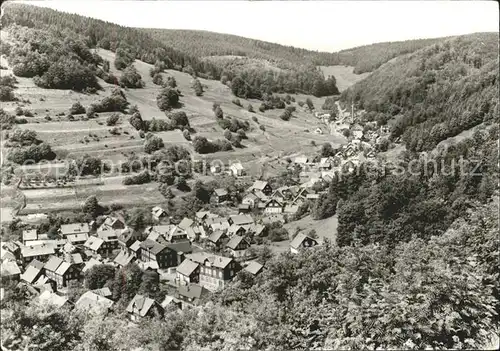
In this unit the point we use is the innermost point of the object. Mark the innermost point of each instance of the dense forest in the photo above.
(364, 58)
(130, 43)
(434, 93)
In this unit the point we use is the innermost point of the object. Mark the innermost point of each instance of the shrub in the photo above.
(141, 178)
(218, 112)
(167, 98)
(237, 102)
(310, 104)
(158, 79)
(250, 108)
(24, 137)
(198, 89)
(301, 103)
(77, 109)
(241, 133)
(254, 118)
(170, 83)
(6, 93)
(67, 73)
(87, 165)
(203, 146)
(34, 153)
(130, 78)
(179, 119)
(262, 107)
(9, 81)
(286, 115)
(153, 143)
(186, 134)
(136, 121)
(227, 134)
(262, 128)
(112, 120)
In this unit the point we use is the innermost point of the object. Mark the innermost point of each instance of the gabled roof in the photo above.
(105, 292)
(237, 166)
(254, 267)
(140, 305)
(181, 246)
(52, 298)
(109, 234)
(202, 214)
(30, 234)
(216, 236)
(93, 243)
(72, 238)
(242, 219)
(77, 258)
(9, 268)
(220, 192)
(152, 246)
(216, 261)
(63, 268)
(158, 211)
(123, 258)
(185, 223)
(37, 250)
(259, 185)
(90, 263)
(53, 263)
(233, 229)
(74, 228)
(235, 241)
(299, 238)
(93, 303)
(192, 291)
(135, 246)
(187, 267)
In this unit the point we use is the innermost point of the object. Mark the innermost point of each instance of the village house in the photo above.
(77, 239)
(251, 200)
(253, 267)
(237, 169)
(38, 252)
(142, 306)
(112, 223)
(104, 292)
(158, 213)
(97, 246)
(91, 263)
(9, 269)
(301, 160)
(152, 251)
(171, 303)
(29, 235)
(188, 272)
(261, 186)
(217, 239)
(273, 206)
(124, 258)
(236, 230)
(10, 249)
(74, 228)
(52, 299)
(109, 236)
(241, 220)
(220, 195)
(301, 241)
(191, 294)
(216, 168)
(94, 303)
(61, 272)
(215, 271)
(238, 246)
(33, 271)
(127, 238)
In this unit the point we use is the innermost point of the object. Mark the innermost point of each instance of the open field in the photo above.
(325, 228)
(344, 75)
(261, 152)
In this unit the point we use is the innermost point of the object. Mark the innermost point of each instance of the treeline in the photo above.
(434, 93)
(129, 44)
(364, 58)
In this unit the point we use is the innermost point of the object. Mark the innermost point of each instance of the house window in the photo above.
(231, 273)
(220, 274)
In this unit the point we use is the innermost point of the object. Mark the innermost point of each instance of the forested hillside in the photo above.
(132, 44)
(434, 93)
(364, 58)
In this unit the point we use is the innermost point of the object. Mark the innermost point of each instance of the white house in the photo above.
(237, 169)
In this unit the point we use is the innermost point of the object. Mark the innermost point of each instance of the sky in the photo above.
(316, 25)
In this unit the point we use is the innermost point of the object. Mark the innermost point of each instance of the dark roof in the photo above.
(152, 246)
(181, 246)
(193, 291)
(299, 238)
(235, 241)
(140, 305)
(216, 236)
